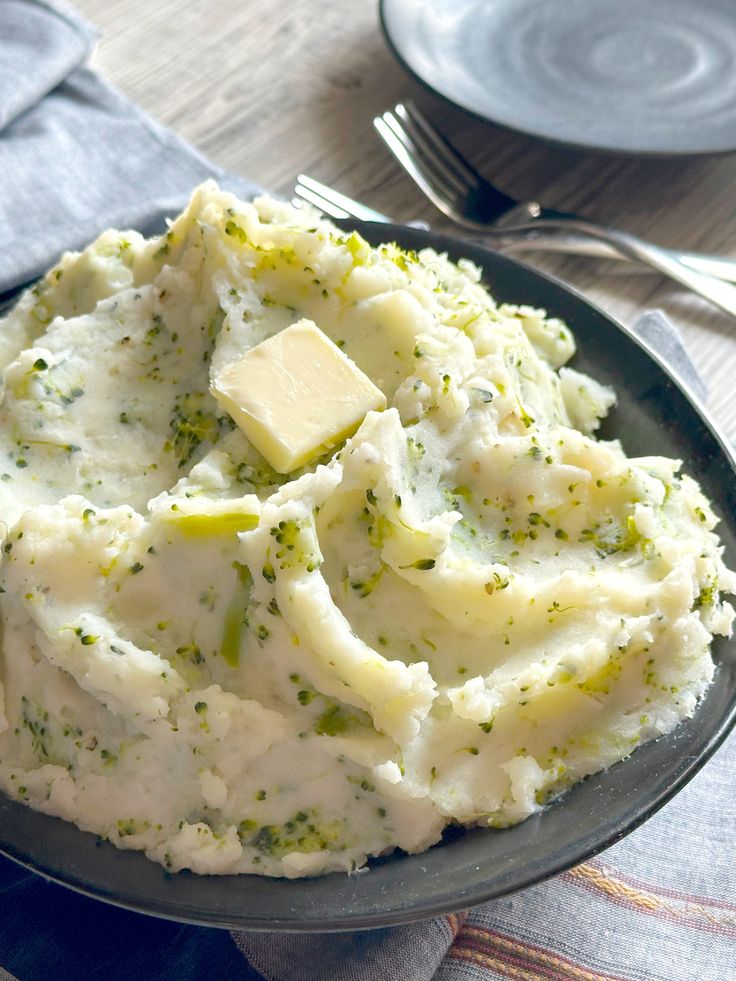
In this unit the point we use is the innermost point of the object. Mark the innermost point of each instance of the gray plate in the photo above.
(654, 77)
(654, 415)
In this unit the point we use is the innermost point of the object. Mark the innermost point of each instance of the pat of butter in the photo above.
(296, 395)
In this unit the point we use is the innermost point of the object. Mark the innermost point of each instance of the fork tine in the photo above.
(403, 148)
(440, 149)
(350, 207)
(418, 159)
(440, 171)
(418, 144)
(329, 208)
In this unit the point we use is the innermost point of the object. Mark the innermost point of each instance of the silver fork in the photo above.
(474, 203)
(336, 205)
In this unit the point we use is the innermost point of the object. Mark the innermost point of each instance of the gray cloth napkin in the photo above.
(662, 336)
(76, 157)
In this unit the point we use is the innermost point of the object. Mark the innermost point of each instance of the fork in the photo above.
(339, 206)
(471, 201)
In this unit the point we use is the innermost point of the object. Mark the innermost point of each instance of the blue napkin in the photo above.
(76, 157)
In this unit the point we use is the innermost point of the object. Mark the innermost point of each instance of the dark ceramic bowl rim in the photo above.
(62, 853)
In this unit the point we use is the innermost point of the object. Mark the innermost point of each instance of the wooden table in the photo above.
(273, 89)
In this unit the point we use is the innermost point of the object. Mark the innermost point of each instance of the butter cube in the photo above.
(296, 395)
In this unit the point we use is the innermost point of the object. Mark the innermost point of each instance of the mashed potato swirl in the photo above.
(470, 606)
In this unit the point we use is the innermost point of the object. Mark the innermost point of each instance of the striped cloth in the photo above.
(658, 906)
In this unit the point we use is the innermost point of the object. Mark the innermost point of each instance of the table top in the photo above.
(272, 90)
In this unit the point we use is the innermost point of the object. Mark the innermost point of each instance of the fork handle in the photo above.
(716, 291)
(547, 239)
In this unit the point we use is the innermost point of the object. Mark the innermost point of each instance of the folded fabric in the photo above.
(76, 157)
(662, 336)
(83, 158)
(41, 45)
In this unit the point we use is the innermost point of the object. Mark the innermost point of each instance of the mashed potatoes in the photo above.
(468, 607)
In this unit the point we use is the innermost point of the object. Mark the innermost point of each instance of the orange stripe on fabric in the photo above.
(651, 887)
(494, 944)
(502, 967)
(454, 922)
(683, 911)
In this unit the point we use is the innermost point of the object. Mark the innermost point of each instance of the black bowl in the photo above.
(654, 415)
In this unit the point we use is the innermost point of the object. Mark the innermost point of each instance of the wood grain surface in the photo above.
(272, 89)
